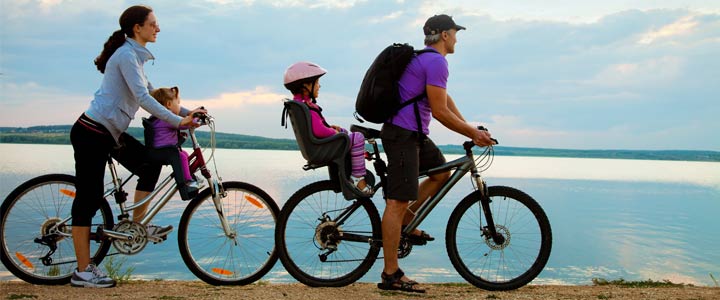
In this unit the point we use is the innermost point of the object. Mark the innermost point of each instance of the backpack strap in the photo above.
(416, 99)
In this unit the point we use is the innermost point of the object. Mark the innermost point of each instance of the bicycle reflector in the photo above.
(222, 271)
(254, 201)
(68, 193)
(24, 260)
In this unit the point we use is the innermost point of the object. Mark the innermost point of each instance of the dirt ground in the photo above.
(176, 290)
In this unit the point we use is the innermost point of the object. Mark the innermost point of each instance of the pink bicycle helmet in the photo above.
(302, 70)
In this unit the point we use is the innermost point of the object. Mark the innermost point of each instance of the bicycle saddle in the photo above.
(369, 133)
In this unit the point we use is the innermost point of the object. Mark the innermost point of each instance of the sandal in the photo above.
(366, 191)
(418, 239)
(393, 282)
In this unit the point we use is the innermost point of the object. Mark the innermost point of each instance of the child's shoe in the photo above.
(361, 186)
(189, 190)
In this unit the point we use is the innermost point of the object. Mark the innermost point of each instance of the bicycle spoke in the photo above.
(512, 262)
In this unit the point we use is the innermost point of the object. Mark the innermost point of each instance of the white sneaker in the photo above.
(91, 277)
(200, 182)
(156, 233)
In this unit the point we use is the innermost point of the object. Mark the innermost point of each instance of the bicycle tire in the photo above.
(297, 240)
(38, 204)
(511, 265)
(251, 213)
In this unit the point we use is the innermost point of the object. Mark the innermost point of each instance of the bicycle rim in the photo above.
(221, 260)
(29, 213)
(302, 230)
(511, 264)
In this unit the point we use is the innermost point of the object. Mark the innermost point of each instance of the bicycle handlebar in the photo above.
(469, 144)
(203, 118)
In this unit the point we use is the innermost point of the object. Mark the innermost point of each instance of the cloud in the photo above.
(30, 104)
(649, 72)
(260, 96)
(385, 18)
(680, 27)
(19, 11)
(328, 4)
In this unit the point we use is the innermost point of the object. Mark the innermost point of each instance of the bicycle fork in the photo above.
(218, 193)
(489, 231)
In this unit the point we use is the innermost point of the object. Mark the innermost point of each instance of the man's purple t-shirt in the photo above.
(430, 68)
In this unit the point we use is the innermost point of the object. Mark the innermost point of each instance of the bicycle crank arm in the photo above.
(116, 235)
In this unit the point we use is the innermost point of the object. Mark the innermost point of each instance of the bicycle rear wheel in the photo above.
(31, 226)
(309, 228)
(511, 264)
(241, 258)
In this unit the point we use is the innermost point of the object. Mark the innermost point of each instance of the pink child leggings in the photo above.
(184, 164)
(357, 154)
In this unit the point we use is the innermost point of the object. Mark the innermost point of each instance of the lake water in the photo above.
(630, 219)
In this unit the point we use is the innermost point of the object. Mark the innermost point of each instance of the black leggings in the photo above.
(92, 144)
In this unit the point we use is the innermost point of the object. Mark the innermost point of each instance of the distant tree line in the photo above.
(60, 134)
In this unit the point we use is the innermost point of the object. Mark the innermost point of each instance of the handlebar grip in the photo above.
(480, 127)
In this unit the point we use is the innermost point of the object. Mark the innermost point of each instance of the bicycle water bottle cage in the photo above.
(330, 151)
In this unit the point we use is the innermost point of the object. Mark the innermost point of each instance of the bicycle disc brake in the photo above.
(138, 242)
(505, 237)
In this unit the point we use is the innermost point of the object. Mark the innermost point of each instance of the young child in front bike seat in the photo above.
(303, 81)
(166, 141)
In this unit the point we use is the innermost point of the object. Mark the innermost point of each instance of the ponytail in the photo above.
(133, 15)
(116, 40)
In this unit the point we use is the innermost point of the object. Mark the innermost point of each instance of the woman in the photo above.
(100, 131)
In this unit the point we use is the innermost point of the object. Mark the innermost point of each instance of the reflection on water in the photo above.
(610, 218)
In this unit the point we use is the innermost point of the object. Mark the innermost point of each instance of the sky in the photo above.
(606, 74)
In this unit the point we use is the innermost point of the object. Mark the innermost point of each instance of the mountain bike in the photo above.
(225, 233)
(497, 237)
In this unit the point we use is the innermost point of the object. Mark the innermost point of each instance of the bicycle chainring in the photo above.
(138, 242)
(405, 248)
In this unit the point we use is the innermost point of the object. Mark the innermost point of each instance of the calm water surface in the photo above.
(612, 219)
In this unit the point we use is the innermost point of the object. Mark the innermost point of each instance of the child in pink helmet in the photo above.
(303, 81)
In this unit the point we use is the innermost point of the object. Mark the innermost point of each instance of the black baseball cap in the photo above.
(439, 23)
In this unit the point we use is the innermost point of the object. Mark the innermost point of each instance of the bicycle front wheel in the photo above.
(499, 266)
(314, 233)
(244, 253)
(35, 231)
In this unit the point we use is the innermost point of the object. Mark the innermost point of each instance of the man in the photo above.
(408, 148)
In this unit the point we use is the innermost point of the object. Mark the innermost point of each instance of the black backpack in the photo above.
(379, 98)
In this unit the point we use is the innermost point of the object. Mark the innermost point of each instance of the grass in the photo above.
(54, 271)
(115, 269)
(636, 284)
(20, 296)
(401, 293)
(714, 280)
(262, 282)
(453, 284)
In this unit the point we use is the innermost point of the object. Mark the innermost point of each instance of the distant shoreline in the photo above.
(60, 135)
